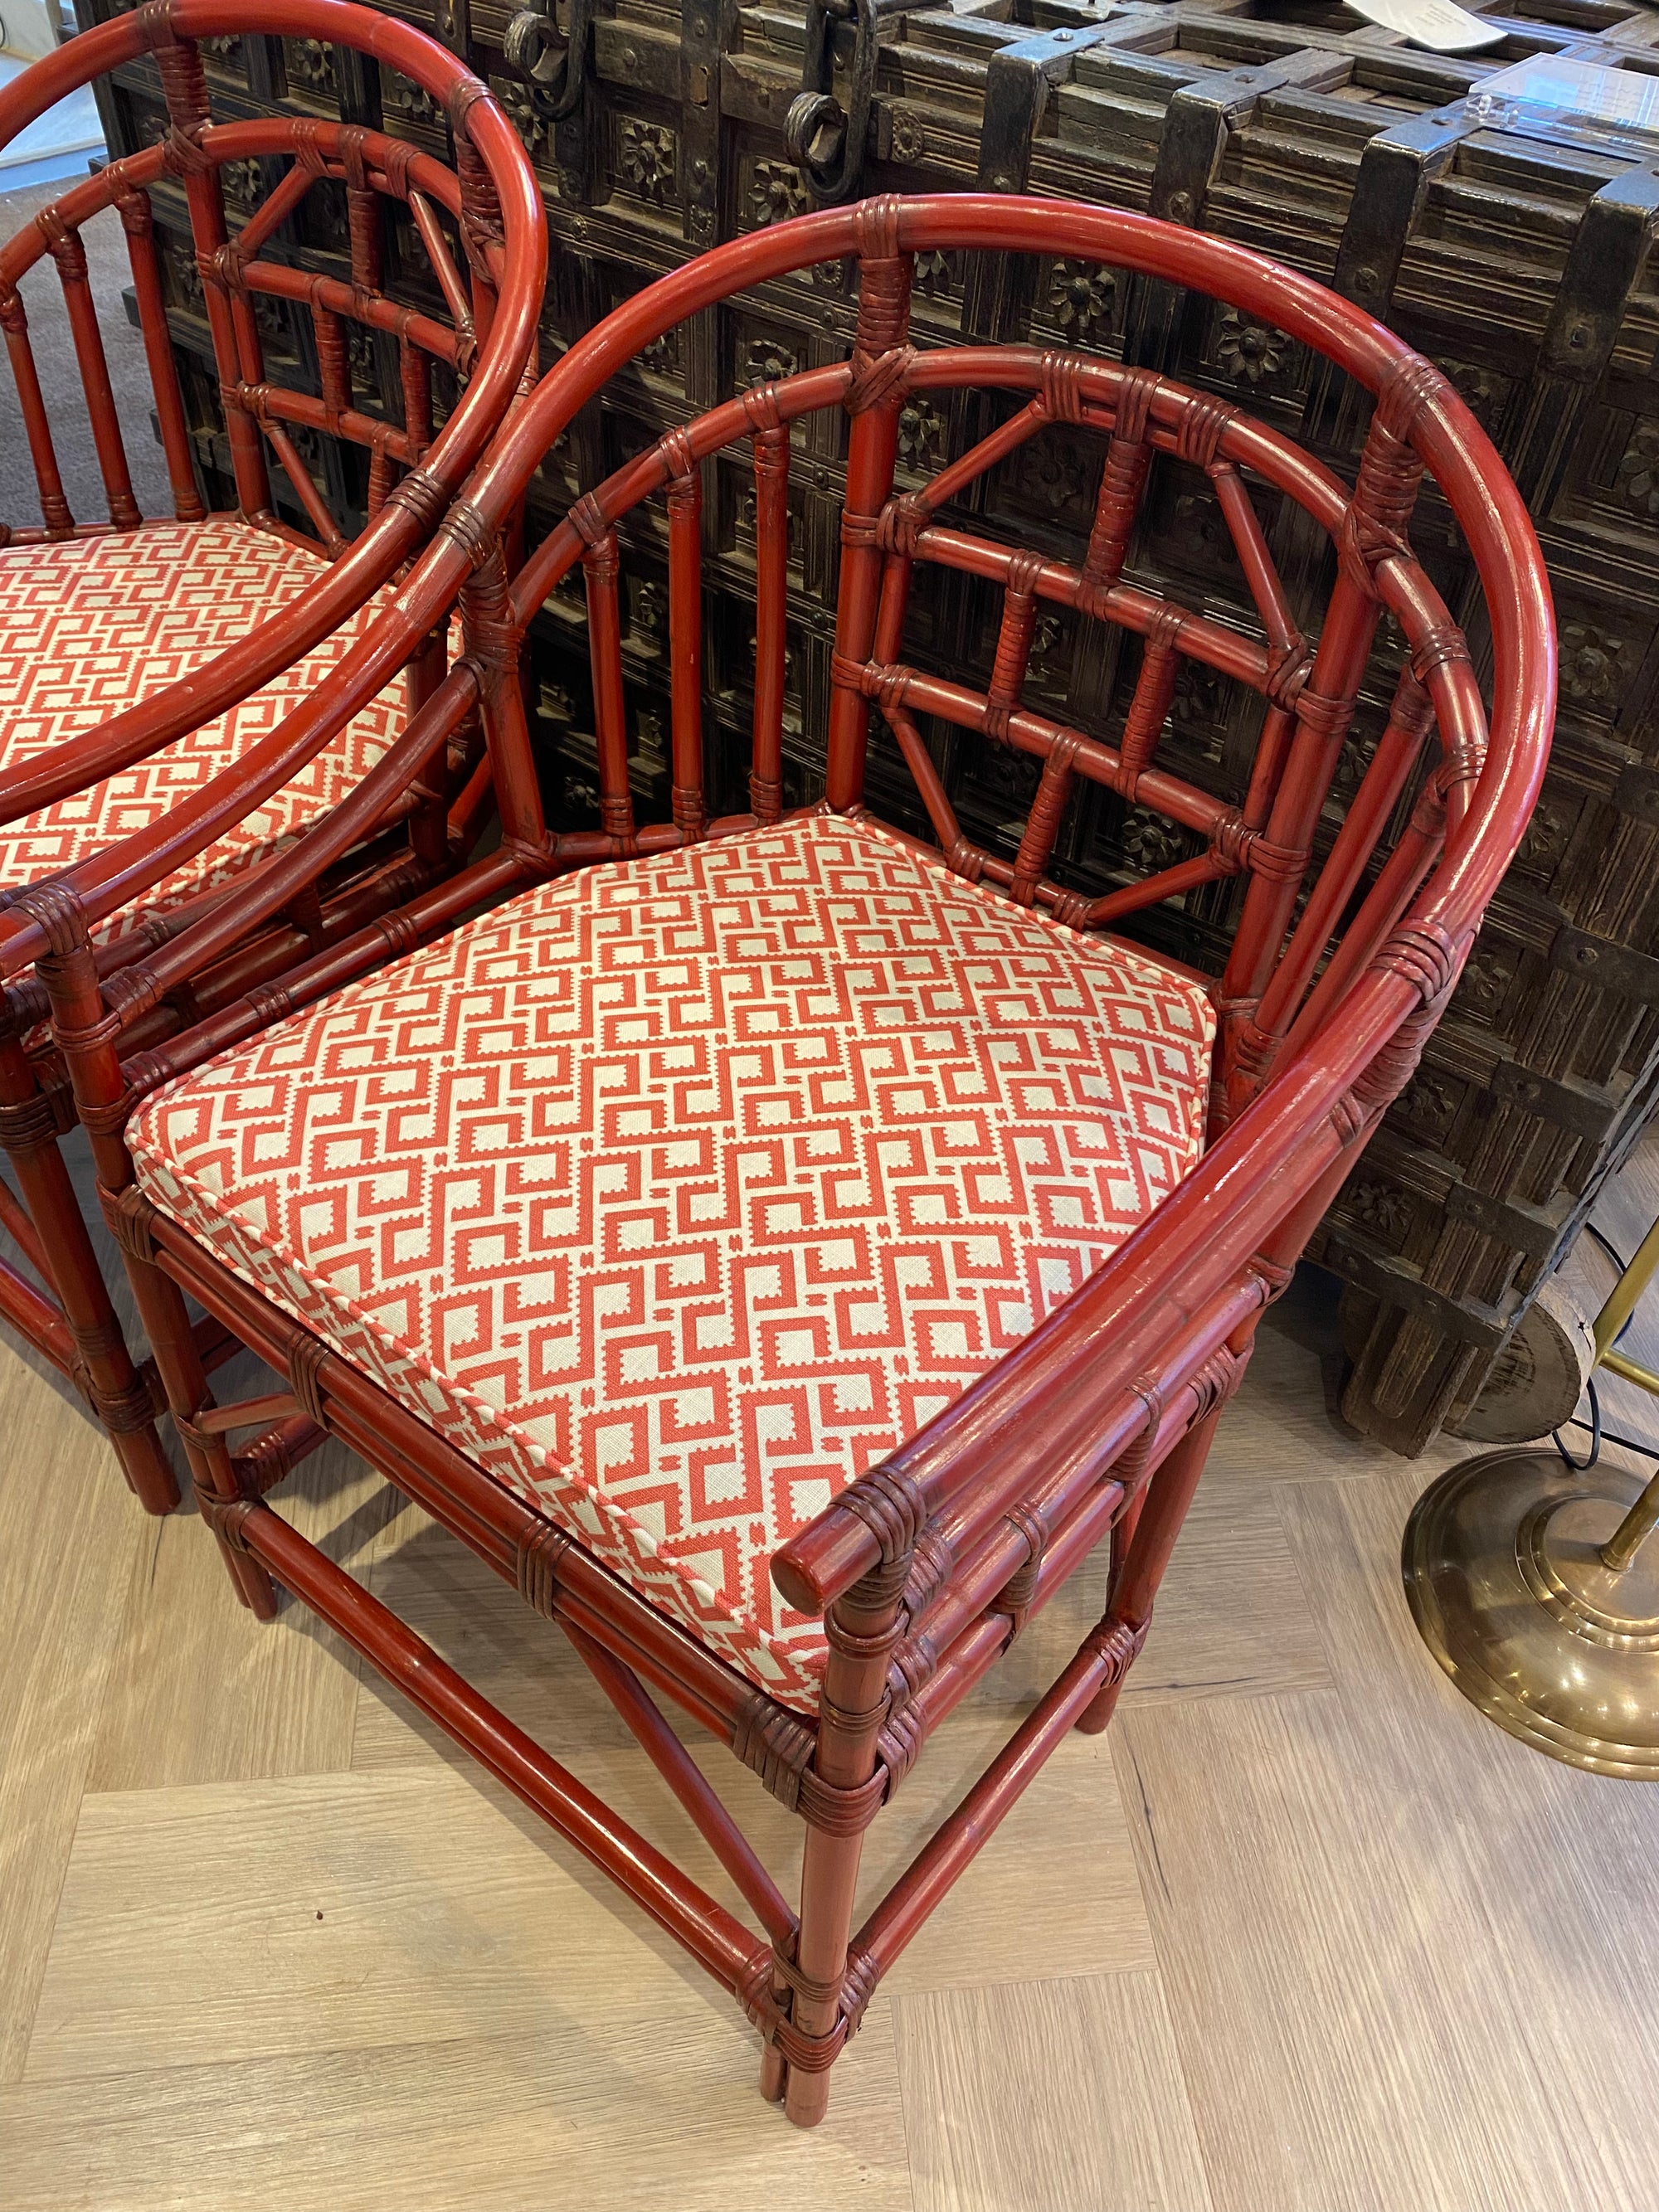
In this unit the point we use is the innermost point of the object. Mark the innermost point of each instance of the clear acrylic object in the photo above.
(1573, 103)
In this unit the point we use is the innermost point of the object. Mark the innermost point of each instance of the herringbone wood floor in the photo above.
(1303, 1934)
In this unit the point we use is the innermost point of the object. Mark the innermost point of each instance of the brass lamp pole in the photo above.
(1533, 1584)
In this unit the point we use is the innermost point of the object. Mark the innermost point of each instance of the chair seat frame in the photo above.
(1097, 1426)
(414, 471)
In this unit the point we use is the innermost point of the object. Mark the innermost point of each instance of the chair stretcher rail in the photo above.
(707, 1930)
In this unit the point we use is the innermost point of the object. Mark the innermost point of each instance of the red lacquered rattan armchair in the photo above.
(782, 1247)
(140, 660)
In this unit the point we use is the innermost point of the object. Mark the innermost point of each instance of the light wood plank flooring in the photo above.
(1303, 1934)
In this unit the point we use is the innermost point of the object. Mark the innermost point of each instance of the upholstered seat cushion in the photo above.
(91, 625)
(676, 1191)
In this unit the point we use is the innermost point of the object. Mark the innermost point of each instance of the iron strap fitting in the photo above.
(1017, 81)
(826, 139)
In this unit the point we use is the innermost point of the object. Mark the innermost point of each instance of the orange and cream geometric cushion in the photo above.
(677, 1192)
(91, 625)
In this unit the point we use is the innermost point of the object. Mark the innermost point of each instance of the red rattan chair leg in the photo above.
(167, 1320)
(1123, 1537)
(102, 1364)
(249, 1576)
(178, 1361)
(86, 1038)
(829, 1880)
(861, 1632)
(1162, 1509)
(774, 2074)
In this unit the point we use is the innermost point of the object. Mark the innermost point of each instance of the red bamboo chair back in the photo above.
(489, 198)
(1287, 922)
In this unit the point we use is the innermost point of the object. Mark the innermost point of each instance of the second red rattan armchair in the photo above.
(146, 663)
(781, 1246)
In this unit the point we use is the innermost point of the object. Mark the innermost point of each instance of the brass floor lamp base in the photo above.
(1503, 1570)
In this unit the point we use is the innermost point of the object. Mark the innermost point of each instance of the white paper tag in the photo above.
(1439, 24)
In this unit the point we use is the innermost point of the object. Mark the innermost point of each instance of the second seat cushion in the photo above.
(89, 626)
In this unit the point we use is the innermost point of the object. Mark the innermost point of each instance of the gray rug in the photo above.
(54, 355)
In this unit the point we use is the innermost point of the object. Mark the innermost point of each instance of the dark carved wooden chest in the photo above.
(1296, 128)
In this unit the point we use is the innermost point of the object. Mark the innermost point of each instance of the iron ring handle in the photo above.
(554, 74)
(831, 177)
